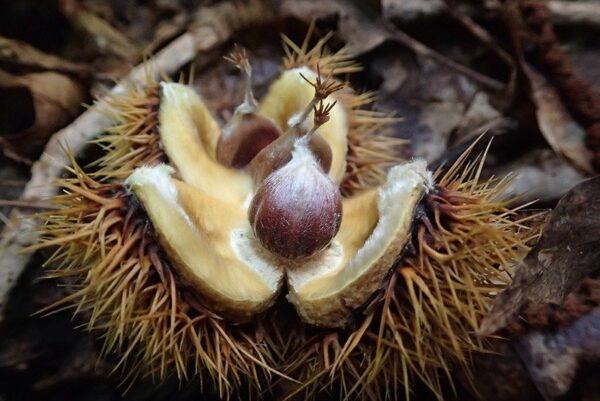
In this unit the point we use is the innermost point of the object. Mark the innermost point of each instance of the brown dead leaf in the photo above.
(432, 100)
(561, 131)
(33, 107)
(568, 251)
(542, 365)
(480, 116)
(501, 376)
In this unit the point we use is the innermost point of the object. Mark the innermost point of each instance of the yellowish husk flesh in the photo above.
(187, 133)
(376, 226)
(289, 95)
(196, 232)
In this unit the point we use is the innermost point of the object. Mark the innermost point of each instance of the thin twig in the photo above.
(487, 39)
(422, 50)
(4, 219)
(106, 37)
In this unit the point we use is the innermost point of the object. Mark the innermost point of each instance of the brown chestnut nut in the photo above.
(247, 133)
(297, 210)
(279, 152)
(243, 140)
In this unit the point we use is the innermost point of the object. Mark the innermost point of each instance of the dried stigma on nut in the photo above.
(287, 100)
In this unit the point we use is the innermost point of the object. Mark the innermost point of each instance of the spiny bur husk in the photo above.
(105, 245)
(372, 150)
(424, 321)
(133, 140)
(419, 326)
(122, 283)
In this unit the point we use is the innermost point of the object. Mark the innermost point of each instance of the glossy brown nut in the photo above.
(239, 144)
(279, 152)
(297, 210)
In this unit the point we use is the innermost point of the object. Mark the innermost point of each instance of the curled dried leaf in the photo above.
(562, 132)
(34, 107)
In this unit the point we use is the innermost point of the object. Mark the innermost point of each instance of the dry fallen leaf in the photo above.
(568, 251)
(500, 376)
(34, 107)
(543, 364)
(105, 37)
(561, 131)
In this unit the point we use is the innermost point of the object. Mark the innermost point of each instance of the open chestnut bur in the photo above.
(189, 244)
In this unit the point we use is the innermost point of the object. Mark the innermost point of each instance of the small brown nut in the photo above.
(244, 139)
(279, 152)
(297, 210)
